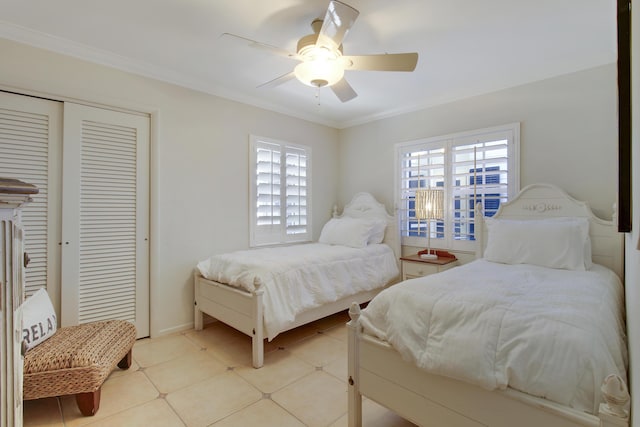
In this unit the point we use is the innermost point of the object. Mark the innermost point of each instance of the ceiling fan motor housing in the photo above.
(307, 43)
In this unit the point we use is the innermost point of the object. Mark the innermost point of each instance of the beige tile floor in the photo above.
(204, 378)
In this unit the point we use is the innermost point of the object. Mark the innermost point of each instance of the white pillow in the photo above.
(554, 243)
(588, 259)
(38, 319)
(584, 228)
(377, 232)
(347, 231)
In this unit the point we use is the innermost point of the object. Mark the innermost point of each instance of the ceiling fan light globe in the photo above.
(318, 73)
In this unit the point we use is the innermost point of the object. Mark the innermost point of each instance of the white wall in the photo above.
(632, 258)
(568, 136)
(199, 166)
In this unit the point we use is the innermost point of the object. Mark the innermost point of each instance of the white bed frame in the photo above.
(378, 372)
(243, 310)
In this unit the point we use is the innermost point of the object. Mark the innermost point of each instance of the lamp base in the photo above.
(428, 256)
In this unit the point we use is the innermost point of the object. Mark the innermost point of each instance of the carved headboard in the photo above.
(539, 201)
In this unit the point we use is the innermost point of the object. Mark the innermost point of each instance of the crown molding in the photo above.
(87, 53)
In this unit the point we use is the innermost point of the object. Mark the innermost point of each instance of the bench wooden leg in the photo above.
(125, 363)
(88, 403)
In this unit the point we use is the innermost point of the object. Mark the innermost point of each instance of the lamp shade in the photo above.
(429, 203)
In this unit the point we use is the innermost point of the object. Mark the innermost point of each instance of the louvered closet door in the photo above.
(30, 139)
(105, 217)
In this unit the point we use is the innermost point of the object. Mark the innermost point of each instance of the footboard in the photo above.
(244, 310)
(237, 308)
(378, 372)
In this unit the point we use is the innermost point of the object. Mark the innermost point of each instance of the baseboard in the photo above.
(173, 330)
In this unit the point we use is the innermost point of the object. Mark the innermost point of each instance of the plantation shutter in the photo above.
(279, 193)
(296, 192)
(105, 217)
(268, 198)
(29, 146)
(421, 166)
(472, 167)
(480, 175)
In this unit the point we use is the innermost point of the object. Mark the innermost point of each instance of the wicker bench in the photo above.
(77, 360)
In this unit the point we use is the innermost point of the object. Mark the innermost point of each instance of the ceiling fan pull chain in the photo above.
(318, 95)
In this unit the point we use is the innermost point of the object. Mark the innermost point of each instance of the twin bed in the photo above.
(266, 291)
(524, 335)
(497, 342)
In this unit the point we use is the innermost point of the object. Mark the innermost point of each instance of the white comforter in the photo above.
(301, 277)
(550, 333)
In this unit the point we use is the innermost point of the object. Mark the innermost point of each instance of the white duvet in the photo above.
(301, 277)
(550, 333)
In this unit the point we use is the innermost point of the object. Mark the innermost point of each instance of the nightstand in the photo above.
(414, 266)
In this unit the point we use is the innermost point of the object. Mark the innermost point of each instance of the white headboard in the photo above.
(364, 205)
(539, 201)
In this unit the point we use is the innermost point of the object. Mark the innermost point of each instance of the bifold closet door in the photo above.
(105, 217)
(30, 147)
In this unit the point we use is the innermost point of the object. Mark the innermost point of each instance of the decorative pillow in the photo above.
(38, 318)
(347, 231)
(554, 243)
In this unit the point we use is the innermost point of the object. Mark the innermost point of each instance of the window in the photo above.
(280, 196)
(480, 166)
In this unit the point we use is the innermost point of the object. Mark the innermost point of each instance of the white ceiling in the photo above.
(465, 47)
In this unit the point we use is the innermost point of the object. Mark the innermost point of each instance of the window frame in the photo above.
(441, 236)
(276, 234)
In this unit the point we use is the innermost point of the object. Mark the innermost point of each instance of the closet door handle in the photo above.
(25, 259)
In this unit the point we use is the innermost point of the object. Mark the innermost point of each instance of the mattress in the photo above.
(301, 277)
(547, 332)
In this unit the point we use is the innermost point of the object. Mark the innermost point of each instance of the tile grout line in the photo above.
(324, 331)
(161, 395)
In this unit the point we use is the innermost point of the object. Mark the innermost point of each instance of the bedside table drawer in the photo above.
(412, 269)
(418, 269)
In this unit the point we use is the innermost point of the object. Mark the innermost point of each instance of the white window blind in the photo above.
(279, 196)
(480, 166)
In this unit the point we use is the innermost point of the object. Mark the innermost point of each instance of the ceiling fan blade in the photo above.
(264, 46)
(278, 80)
(337, 22)
(343, 90)
(383, 62)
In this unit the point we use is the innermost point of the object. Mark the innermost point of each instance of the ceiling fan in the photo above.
(322, 62)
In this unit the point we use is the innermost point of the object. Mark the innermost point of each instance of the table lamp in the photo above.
(429, 206)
